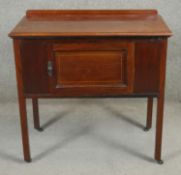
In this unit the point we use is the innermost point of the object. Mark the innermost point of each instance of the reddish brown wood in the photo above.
(147, 65)
(22, 102)
(96, 65)
(160, 103)
(108, 66)
(33, 54)
(36, 114)
(149, 113)
(81, 14)
(86, 53)
(91, 23)
(147, 62)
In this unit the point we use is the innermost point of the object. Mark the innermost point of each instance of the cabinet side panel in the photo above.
(147, 66)
(34, 66)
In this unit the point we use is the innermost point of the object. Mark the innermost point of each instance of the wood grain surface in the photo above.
(44, 23)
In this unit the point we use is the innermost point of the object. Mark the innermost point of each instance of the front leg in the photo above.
(160, 103)
(159, 129)
(24, 128)
(22, 102)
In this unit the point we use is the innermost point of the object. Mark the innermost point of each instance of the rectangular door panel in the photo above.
(91, 68)
(97, 64)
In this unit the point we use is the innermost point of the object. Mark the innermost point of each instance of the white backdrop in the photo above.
(12, 10)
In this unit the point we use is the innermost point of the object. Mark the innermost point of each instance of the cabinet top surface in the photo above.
(54, 23)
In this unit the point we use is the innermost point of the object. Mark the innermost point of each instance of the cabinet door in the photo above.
(91, 66)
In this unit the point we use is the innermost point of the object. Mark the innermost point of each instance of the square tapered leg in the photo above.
(36, 114)
(24, 128)
(149, 114)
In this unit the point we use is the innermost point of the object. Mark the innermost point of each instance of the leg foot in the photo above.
(146, 129)
(39, 129)
(160, 162)
(28, 160)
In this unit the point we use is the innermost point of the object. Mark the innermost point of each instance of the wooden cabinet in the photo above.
(116, 66)
(90, 53)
